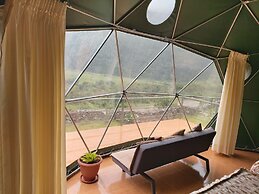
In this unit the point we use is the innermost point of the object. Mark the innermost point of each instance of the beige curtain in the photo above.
(230, 105)
(32, 137)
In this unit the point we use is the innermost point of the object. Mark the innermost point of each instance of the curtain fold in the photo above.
(32, 136)
(230, 105)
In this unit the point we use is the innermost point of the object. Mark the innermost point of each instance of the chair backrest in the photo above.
(155, 154)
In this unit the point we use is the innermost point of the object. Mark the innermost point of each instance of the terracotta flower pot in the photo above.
(89, 171)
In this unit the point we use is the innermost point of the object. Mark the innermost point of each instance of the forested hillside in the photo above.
(135, 52)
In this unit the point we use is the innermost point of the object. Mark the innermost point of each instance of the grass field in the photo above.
(95, 84)
(102, 123)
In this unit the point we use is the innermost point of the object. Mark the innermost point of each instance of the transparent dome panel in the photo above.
(159, 77)
(135, 54)
(187, 66)
(200, 109)
(91, 118)
(123, 127)
(148, 109)
(207, 84)
(171, 120)
(80, 46)
(102, 75)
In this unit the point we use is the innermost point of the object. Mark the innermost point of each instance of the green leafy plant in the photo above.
(90, 158)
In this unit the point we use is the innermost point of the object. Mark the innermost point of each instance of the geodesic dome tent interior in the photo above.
(125, 74)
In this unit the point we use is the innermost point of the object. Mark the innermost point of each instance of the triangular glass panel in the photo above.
(158, 77)
(122, 128)
(91, 117)
(102, 76)
(74, 145)
(173, 120)
(135, 53)
(208, 84)
(199, 110)
(148, 109)
(212, 122)
(80, 47)
(187, 66)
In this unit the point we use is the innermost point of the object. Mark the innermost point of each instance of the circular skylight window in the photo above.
(159, 11)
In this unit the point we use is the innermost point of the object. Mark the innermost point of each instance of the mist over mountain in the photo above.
(135, 53)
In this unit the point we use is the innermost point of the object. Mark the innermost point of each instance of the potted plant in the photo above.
(89, 167)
